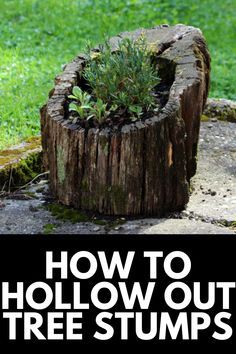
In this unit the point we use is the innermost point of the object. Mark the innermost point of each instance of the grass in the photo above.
(39, 36)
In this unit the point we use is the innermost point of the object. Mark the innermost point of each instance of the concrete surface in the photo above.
(211, 209)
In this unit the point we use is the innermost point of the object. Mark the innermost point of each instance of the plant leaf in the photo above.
(73, 107)
(76, 91)
(85, 107)
(135, 109)
(114, 107)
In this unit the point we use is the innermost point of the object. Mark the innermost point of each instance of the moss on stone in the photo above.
(204, 118)
(99, 222)
(34, 141)
(222, 109)
(20, 164)
(49, 228)
(21, 172)
(10, 156)
(114, 223)
(227, 116)
(65, 213)
(233, 224)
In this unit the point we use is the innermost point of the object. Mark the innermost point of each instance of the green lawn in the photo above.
(39, 36)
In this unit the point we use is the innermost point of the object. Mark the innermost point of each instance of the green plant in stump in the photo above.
(79, 95)
(86, 108)
(122, 80)
(83, 104)
(99, 111)
(125, 77)
(136, 112)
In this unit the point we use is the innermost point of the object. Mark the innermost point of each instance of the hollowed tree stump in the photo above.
(144, 168)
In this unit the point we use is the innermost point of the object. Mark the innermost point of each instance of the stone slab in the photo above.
(212, 202)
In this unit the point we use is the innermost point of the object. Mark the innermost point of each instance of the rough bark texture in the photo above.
(146, 167)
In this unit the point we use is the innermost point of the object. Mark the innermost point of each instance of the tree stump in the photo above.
(145, 167)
